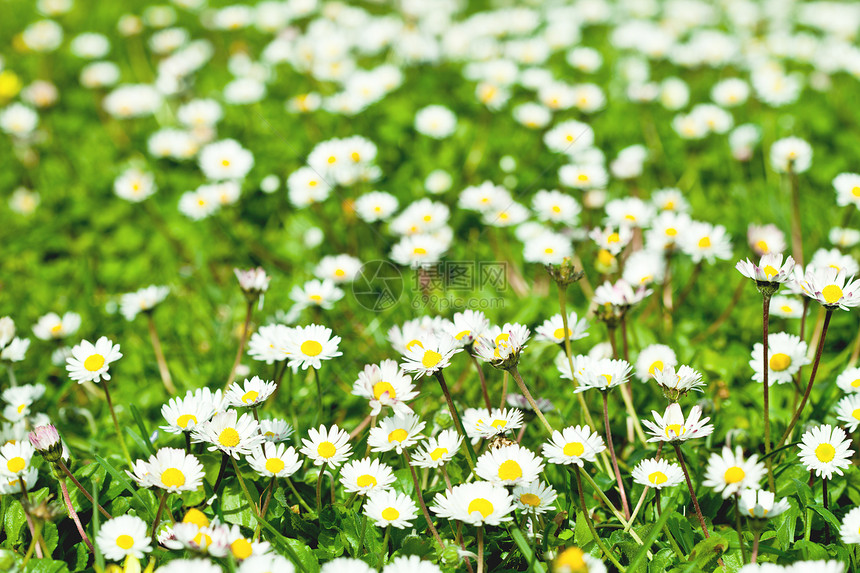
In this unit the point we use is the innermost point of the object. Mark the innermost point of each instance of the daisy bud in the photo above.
(564, 273)
(46, 440)
(253, 282)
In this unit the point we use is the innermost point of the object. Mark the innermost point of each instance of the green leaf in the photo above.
(655, 530)
(117, 475)
(46, 566)
(416, 545)
(804, 493)
(14, 521)
(526, 549)
(235, 507)
(705, 553)
(826, 514)
(786, 529)
(142, 427)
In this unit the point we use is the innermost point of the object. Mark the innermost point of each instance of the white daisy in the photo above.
(143, 300)
(229, 433)
(573, 445)
(251, 393)
(509, 465)
(825, 450)
(575, 560)
(728, 472)
(501, 347)
(761, 504)
(52, 326)
(90, 362)
(771, 269)
(274, 460)
(183, 414)
(310, 345)
(850, 530)
(535, 498)
(429, 355)
(397, 432)
(327, 446)
(786, 355)
(552, 330)
(123, 536)
(602, 374)
(680, 382)
(366, 476)
(657, 474)
(275, 430)
(170, 469)
(411, 564)
(499, 422)
(831, 288)
(437, 451)
(389, 507)
(16, 458)
(385, 384)
(849, 380)
(476, 503)
(673, 427)
(652, 359)
(848, 411)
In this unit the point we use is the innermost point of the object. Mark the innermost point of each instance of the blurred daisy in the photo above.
(509, 465)
(411, 563)
(229, 433)
(269, 343)
(786, 307)
(268, 562)
(703, 241)
(274, 460)
(475, 503)
(850, 530)
(654, 358)
(275, 430)
(657, 473)
(437, 451)
(573, 445)
(123, 536)
(385, 384)
(825, 450)
(250, 393)
(535, 498)
(15, 458)
(366, 476)
(786, 355)
(397, 432)
(831, 288)
(790, 154)
(338, 268)
(143, 300)
(344, 565)
(170, 469)
(849, 380)
(90, 362)
(552, 330)
(547, 248)
(389, 507)
(766, 239)
(847, 187)
(761, 504)
(848, 411)
(673, 427)
(225, 159)
(328, 447)
(309, 345)
(467, 326)
(54, 327)
(575, 560)
(728, 472)
(19, 399)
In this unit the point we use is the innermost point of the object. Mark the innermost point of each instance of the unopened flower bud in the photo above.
(46, 440)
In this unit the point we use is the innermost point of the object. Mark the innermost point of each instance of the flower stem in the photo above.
(221, 471)
(480, 549)
(247, 493)
(157, 520)
(818, 351)
(740, 529)
(456, 416)
(692, 491)
(826, 502)
(796, 230)
(584, 509)
(302, 501)
(766, 389)
(115, 421)
(754, 556)
(82, 489)
(321, 411)
(242, 340)
(34, 545)
(636, 510)
(319, 489)
(74, 515)
(423, 505)
(624, 505)
(483, 381)
(519, 379)
(163, 370)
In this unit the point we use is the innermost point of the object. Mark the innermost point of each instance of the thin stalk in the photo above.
(187, 442)
(11, 372)
(25, 503)
(266, 503)
(483, 381)
(636, 510)
(624, 505)
(458, 423)
(631, 412)
(692, 491)
(74, 515)
(818, 351)
(766, 389)
(740, 529)
(319, 490)
(157, 519)
(796, 229)
(163, 370)
(384, 554)
(115, 421)
(688, 288)
(221, 471)
(82, 489)
(754, 556)
(302, 501)
(423, 505)
(826, 504)
(597, 540)
(480, 549)
(519, 379)
(242, 340)
(33, 546)
(247, 493)
(504, 390)
(321, 412)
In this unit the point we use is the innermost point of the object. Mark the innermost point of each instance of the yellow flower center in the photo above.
(779, 362)
(326, 450)
(571, 559)
(355, 156)
(734, 474)
(202, 539)
(559, 333)
(185, 419)
(499, 423)
(825, 453)
(510, 470)
(856, 191)
(249, 397)
(549, 250)
(856, 413)
(786, 309)
(229, 438)
(556, 209)
(390, 514)
(419, 251)
(655, 366)
(582, 177)
(316, 298)
(613, 238)
(412, 343)
(225, 162)
(438, 453)
(657, 477)
(94, 362)
(573, 449)
(365, 480)
(831, 294)
(340, 273)
(311, 348)
(675, 429)
(196, 517)
(172, 477)
(481, 505)
(381, 388)
(21, 408)
(125, 541)
(241, 548)
(770, 271)
(704, 242)
(56, 328)
(16, 464)
(530, 499)
(274, 465)
(671, 232)
(398, 435)
(463, 334)
(431, 358)
(856, 383)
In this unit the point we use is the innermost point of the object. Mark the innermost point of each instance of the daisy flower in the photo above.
(269, 343)
(365, 476)
(652, 359)
(728, 472)
(345, 565)
(509, 465)
(388, 507)
(429, 355)
(397, 432)
(230, 433)
(678, 383)
(673, 427)
(575, 560)
(15, 458)
(338, 268)
(850, 530)
(170, 469)
(657, 473)
(848, 411)
(90, 362)
(274, 460)
(771, 269)
(620, 295)
(309, 345)
(847, 187)
(411, 563)
(535, 498)
(499, 422)
(385, 384)
(547, 248)
(573, 445)
(123, 536)
(601, 374)
(610, 240)
(190, 566)
(467, 326)
(825, 450)
(849, 380)
(225, 159)
(52, 326)
(790, 155)
(703, 241)
(759, 503)
(786, 307)
(19, 399)
(251, 393)
(786, 355)
(437, 451)
(327, 446)
(475, 503)
(143, 300)
(830, 287)
(552, 330)
(501, 347)
(265, 563)
(765, 239)
(253, 282)
(183, 414)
